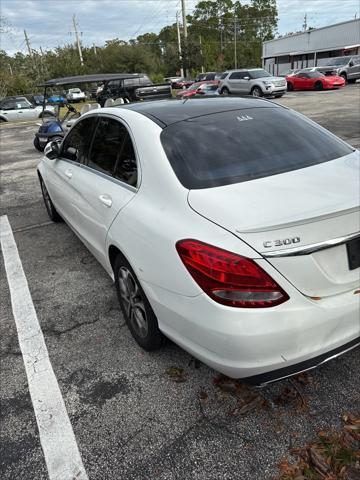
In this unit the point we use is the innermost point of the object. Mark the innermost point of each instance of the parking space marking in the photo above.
(62, 456)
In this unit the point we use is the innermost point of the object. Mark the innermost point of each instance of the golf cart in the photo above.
(118, 88)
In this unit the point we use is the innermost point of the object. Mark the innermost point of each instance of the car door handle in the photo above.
(68, 173)
(106, 200)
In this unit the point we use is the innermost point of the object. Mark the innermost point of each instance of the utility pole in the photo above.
(185, 34)
(235, 39)
(94, 46)
(305, 22)
(201, 56)
(29, 50)
(179, 44)
(28, 44)
(78, 41)
(11, 70)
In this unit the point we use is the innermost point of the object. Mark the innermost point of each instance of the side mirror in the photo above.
(52, 150)
(246, 78)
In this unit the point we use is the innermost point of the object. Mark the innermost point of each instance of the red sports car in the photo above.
(198, 88)
(313, 81)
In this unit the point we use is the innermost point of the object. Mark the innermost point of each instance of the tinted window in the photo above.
(106, 147)
(236, 75)
(260, 73)
(315, 75)
(242, 145)
(126, 167)
(224, 75)
(8, 105)
(113, 86)
(76, 143)
(131, 82)
(145, 80)
(356, 60)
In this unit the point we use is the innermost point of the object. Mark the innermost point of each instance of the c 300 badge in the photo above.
(280, 243)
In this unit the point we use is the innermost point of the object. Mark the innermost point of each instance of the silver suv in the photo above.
(347, 67)
(253, 81)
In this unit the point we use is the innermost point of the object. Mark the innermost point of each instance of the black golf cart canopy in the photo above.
(97, 77)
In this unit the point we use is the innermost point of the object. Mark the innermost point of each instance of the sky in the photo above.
(49, 22)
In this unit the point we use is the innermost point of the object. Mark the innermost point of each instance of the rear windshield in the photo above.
(242, 145)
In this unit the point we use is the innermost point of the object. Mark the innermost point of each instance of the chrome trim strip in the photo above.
(307, 249)
(327, 359)
(106, 176)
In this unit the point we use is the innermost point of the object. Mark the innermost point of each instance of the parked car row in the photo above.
(347, 67)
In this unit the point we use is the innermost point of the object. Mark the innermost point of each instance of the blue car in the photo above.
(57, 99)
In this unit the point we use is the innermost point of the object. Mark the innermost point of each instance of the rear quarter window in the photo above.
(243, 145)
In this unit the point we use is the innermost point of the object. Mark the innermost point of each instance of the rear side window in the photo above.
(145, 80)
(126, 168)
(107, 143)
(112, 151)
(236, 76)
(243, 145)
(76, 144)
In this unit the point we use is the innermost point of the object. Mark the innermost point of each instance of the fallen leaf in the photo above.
(176, 374)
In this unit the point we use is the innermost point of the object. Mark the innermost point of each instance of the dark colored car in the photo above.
(133, 87)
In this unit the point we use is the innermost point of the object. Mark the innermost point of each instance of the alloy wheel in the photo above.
(133, 302)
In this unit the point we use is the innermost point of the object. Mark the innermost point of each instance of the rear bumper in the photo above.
(281, 373)
(259, 345)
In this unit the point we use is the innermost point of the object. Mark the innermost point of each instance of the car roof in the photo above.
(167, 112)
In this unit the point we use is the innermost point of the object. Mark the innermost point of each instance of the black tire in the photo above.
(351, 80)
(257, 92)
(139, 316)
(225, 91)
(318, 86)
(37, 145)
(290, 86)
(344, 76)
(52, 212)
(279, 96)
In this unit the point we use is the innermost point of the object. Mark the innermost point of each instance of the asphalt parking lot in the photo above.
(131, 420)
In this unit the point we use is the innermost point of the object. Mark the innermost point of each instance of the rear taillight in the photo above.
(228, 278)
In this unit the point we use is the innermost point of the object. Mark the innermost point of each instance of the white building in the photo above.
(311, 48)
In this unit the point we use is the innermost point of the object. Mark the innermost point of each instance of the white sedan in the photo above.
(230, 226)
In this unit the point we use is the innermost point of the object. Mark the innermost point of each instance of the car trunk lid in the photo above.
(305, 208)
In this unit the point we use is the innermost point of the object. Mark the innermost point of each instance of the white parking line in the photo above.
(57, 438)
